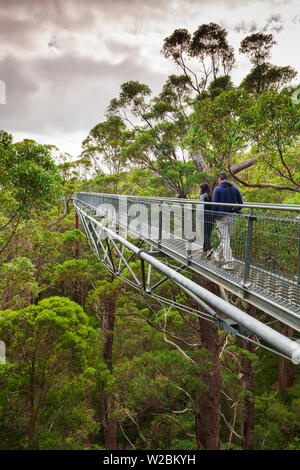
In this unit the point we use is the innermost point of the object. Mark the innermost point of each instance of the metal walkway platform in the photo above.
(264, 240)
(265, 290)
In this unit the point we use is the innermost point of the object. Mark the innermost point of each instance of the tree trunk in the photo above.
(237, 167)
(199, 162)
(208, 415)
(32, 411)
(201, 165)
(76, 243)
(286, 368)
(76, 294)
(109, 424)
(109, 311)
(248, 381)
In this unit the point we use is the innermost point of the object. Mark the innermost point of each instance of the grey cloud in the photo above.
(246, 28)
(17, 32)
(66, 14)
(22, 22)
(121, 50)
(274, 24)
(81, 13)
(278, 29)
(76, 13)
(253, 27)
(52, 87)
(65, 93)
(53, 43)
(274, 18)
(20, 87)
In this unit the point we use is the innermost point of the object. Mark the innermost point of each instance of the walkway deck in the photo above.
(265, 245)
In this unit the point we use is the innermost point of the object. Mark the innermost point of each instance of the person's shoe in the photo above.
(228, 266)
(216, 258)
(209, 253)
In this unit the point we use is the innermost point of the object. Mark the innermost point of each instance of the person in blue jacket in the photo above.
(205, 196)
(225, 219)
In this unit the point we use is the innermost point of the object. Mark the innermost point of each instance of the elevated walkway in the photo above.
(265, 243)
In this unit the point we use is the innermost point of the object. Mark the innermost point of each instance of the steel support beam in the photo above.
(280, 342)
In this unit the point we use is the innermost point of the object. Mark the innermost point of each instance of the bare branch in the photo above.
(180, 425)
(61, 217)
(264, 185)
(231, 428)
(174, 344)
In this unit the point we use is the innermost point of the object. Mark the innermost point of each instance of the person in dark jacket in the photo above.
(205, 196)
(225, 219)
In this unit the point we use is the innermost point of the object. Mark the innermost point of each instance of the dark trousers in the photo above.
(208, 225)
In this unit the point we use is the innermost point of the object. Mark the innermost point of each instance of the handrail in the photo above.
(264, 244)
(253, 205)
(285, 345)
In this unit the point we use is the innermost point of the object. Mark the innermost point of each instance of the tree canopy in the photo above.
(91, 363)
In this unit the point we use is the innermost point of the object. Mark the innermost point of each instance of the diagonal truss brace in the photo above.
(236, 320)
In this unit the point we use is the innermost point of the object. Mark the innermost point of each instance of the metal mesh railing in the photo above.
(261, 242)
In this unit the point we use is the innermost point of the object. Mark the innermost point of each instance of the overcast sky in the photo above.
(62, 61)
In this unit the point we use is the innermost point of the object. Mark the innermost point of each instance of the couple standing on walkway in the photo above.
(225, 192)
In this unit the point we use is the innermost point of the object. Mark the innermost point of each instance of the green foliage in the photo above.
(154, 383)
(73, 277)
(209, 45)
(18, 286)
(265, 77)
(277, 425)
(163, 123)
(105, 145)
(223, 127)
(71, 238)
(49, 346)
(27, 172)
(216, 127)
(56, 391)
(258, 47)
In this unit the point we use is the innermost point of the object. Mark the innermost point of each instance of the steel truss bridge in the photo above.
(168, 234)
